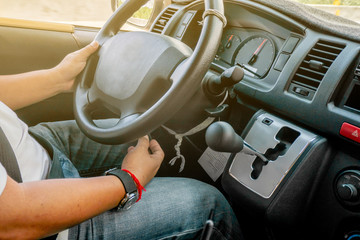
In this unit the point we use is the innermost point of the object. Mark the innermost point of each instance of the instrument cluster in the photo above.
(252, 49)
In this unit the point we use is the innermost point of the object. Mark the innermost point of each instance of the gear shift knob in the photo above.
(221, 137)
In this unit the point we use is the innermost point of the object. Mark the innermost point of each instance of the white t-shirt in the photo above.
(33, 159)
(2, 178)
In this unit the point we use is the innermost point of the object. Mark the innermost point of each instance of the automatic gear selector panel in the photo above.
(281, 142)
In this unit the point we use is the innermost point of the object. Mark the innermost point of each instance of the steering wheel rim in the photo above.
(184, 76)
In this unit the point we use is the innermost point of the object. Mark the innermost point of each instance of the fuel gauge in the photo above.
(231, 40)
(228, 46)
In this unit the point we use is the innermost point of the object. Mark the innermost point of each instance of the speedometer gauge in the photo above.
(255, 55)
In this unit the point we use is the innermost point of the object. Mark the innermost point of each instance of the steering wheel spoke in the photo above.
(82, 100)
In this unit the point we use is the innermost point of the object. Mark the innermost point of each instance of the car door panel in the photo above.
(24, 50)
(32, 45)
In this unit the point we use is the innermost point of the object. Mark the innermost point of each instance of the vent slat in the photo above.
(304, 85)
(165, 17)
(330, 54)
(319, 75)
(332, 44)
(163, 20)
(332, 48)
(323, 54)
(310, 79)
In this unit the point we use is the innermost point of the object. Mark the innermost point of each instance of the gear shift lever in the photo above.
(221, 137)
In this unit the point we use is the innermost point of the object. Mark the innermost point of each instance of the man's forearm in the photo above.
(24, 89)
(21, 90)
(38, 209)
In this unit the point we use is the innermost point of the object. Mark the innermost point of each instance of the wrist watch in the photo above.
(130, 188)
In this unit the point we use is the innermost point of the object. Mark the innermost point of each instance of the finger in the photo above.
(156, 150)
(130, 149)
(143, 142)
(86, 51)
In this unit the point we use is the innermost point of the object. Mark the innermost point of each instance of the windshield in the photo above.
(349, 9)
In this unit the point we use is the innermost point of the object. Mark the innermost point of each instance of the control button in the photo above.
(357, 72)
(267, 121)
(281, 61)
(350, 131)
(180, 31)
(352, 236)
(347, 187)
(347, 192)
(291, 44)
(187, 18)
(301, 91)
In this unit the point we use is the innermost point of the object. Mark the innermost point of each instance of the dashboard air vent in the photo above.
(314, 67)
(163, 20)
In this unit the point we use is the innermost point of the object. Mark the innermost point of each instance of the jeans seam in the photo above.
(219, 232)
(178, 234)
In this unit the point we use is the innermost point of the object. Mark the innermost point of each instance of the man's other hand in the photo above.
(142, 163)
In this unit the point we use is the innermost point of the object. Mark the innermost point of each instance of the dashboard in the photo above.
(292, 68)
(301, 73)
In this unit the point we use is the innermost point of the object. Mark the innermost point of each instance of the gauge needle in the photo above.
(247, 69)
(228, 43)
(257, 51)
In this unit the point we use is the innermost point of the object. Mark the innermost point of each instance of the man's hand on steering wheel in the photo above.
(73, 63)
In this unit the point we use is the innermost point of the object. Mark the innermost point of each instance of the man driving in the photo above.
(63, 185)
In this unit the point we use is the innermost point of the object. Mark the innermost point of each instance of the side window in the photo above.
(92, 13)
(344, 8)
(141, 16)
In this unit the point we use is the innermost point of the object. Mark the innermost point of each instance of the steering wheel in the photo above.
(143, 77)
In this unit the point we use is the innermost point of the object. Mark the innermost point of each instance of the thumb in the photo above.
(143, 142)
(86, 51)
(130, 149)
(156, 150)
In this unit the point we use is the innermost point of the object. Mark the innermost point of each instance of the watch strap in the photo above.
(126, 179)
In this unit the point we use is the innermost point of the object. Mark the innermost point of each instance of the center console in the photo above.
(281, 142)
(280, 188)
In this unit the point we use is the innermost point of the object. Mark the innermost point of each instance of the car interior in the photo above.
(259, 98)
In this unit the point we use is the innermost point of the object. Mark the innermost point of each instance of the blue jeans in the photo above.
(171, 208)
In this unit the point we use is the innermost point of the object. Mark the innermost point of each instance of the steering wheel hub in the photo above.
(132, 61)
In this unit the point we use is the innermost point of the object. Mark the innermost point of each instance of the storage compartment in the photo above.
(353, 100)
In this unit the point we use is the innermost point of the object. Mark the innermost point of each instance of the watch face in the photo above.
(128, 200)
